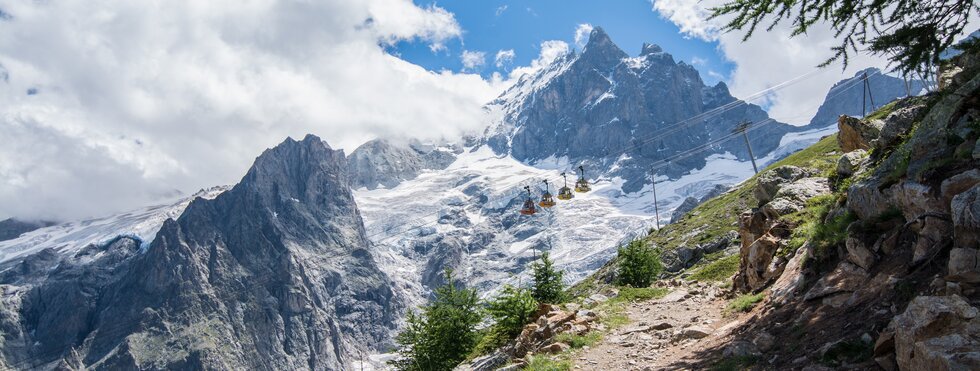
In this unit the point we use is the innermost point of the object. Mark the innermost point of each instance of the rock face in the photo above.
(12, 228)
(274, 273)
(937, 333)
(385, 163)
(844, 98)
(854, 134)
(603, 107)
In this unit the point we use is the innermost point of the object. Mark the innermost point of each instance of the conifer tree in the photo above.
(548, 286)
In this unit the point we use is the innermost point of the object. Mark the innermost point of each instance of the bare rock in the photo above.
(933, 233)
(857, 251)
(789, 282)
(959, 183)
(857, 134)
(846, 278)
(915, 199)
(866, 199)
(764, 341)
(772, 180)
(554, 348)
(693, 332)
(897, 124)
(937, 333)
(964, 265)
(755, 263)
(848, 163)
(966, 218)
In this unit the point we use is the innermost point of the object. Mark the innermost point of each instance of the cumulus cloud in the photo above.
(698, 61)
(473, 59)
(551, 50)
(504, 57)
(582, 32)
(136, 100)
(769, 58)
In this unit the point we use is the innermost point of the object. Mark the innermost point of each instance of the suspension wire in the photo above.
(660, 163)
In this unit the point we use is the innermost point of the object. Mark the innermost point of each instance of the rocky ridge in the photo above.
(276, 272)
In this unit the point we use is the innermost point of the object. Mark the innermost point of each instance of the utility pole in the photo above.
(656, 207)
(867, 94)
(742, 128)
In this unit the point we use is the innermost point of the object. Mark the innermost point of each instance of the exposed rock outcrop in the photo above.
(857, 134)
(935, 333)
(275, 273)
(385, 163)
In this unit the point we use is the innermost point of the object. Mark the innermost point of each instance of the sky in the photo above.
(110, 105)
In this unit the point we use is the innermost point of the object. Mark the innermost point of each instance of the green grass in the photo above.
(735, 363)
(542, 363)
(579, 341)
(718, 270)
(745, 303)
(612, 314)
(631, 294)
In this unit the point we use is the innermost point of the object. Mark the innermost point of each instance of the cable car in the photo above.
(565, 193)
(582, 185)
(528, 208)
(546, 199)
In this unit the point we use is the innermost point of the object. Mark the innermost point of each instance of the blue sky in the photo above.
(490, 26)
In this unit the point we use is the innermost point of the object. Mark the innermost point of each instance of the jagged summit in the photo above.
(619, 114)
(650, 49)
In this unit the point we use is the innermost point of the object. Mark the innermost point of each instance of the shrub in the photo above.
(718, 270)
(512, 309)
(745, 303)
(548, 286)
(443, 333)
(638, 264)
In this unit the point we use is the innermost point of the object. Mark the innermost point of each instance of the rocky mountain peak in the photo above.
(650, 49)
(601, 50)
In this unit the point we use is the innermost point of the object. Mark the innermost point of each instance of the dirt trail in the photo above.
(667, 333)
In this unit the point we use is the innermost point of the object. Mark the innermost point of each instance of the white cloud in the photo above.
(504, 57)
(698, 61)
(550, 51)
(500, 10)
(136, 100)
(473, 59)
(769, 58)
(582, 32)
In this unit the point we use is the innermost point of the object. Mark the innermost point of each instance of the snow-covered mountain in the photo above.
(845, 97)
(620, 115)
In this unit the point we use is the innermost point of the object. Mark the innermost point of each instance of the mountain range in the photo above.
(313, 257)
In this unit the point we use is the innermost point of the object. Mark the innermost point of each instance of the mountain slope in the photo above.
(844, 98)
(624, 113)
(274, 273)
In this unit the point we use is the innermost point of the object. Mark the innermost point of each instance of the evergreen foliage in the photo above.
(912, 33)
(639, 264)
(443, 333)
(512, 309)
(548, 286)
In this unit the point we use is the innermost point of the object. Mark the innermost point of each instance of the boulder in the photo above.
(866, 200)
(804, 189)
(966, 218)
(857, 134)
(976, 151)
(933, 234)
(915, 199)
(781, 206)
(858, 252)
(770, 181)
(964, 265)
(755, 270)
(848, 163)
(789, 282)
(937, 333)
(693, 332)
(764, 341)
(846, 278)
(751, 226)
(554, 348)
(897, 124)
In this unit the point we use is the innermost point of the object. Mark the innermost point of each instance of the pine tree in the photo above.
(912, 33)
(512, 309)
(443, 333)
(548, 286)
(639, 264)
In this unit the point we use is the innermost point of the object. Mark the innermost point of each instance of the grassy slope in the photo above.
(718, 216)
